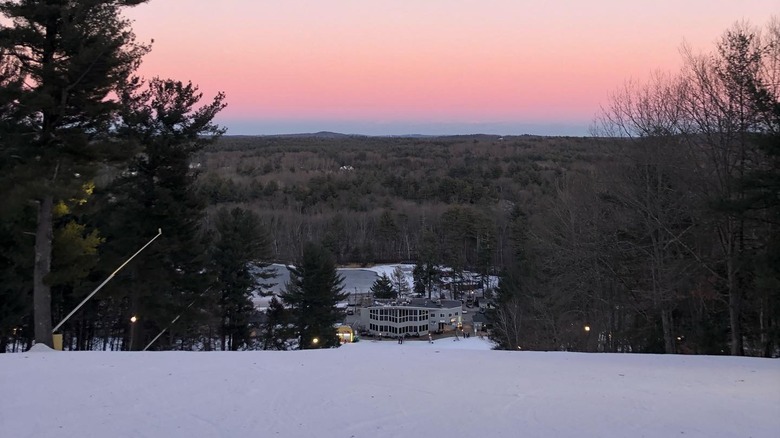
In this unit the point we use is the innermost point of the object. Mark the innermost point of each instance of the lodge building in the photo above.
(414, 317)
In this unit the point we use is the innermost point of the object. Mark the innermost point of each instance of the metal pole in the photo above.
(132, 332)
(159, 233)
(175, 319)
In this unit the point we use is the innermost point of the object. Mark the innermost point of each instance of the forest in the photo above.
(658, 234)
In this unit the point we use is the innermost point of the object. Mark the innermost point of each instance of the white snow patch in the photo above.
(383, 389)
(388, 270)
(40, 348)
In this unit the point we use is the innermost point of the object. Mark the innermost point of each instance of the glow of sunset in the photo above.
(424, 66)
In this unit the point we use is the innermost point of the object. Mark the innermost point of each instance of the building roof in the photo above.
(480, 317)
(434, 304)
(421, 302)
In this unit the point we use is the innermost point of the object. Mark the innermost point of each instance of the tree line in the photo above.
(673, 247)
(659, 234)
(95, 161)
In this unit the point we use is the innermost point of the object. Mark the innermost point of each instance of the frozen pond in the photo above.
(356, 281)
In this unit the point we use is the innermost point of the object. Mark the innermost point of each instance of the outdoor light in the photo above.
(315, 341)
(133, 319)
(587, 328)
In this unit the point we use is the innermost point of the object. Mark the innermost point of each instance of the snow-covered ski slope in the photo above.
(383, 389)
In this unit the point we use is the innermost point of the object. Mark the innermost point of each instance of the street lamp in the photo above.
(315, 341)
(587, 337)
(133, 319)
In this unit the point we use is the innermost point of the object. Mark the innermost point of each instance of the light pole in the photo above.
(587, 336)
(133, 319)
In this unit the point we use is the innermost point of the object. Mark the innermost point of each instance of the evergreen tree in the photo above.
(71, 57)
(383, 288)
(314, 289)
(426, 271)
(507, 312)
(241, 242)
(277, 331)
(157, 192)
(74, 256)
(15, 267)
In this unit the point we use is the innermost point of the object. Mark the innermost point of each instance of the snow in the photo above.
(40, 348)
(388, 270)
(383, 389)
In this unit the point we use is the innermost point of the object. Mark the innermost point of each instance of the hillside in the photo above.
(382, 389)
(372, 198)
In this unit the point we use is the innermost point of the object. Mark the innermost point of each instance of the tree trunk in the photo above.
(41, 290)
(135, 326)
(735, 308)
(668, 329)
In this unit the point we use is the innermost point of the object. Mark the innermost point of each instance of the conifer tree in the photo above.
(277, 332)
(157, 192)
(383, 288)
(63, 61)
(314, 289)
(15, 267)
(241, 241)
(426, 271)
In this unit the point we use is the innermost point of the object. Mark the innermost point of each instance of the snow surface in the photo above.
(40, 348)
(378, 389)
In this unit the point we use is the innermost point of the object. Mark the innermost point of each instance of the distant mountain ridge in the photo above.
(338, 135)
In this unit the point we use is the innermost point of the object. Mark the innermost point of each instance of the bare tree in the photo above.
(722, 108)
(400, 284)
(648, 187)
(507, 327)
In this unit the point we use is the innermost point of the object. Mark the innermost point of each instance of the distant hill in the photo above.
(321, 134)
(371, 197)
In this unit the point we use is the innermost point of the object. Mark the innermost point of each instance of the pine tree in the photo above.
(426, 271)
(383, 288)
(157, 192)
(314, 289)
(426, 275)
(507, 313)
(71, 56)
(15, 267)
(241, 241)
(277, 331)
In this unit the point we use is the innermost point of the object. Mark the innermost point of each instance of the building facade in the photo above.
(415, 317)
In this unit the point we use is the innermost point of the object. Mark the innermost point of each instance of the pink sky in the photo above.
(424, 66)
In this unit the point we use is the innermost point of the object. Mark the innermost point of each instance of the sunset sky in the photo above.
(424, 66)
